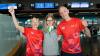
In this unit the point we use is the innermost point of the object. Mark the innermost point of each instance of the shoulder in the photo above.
(26, 28)
(61, 22)
(76, 19)
(41, 31)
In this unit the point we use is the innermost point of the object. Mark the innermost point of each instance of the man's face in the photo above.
(35, 22)
(63, 11)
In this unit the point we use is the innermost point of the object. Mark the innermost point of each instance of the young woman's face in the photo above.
(50, 21)
(35, 22)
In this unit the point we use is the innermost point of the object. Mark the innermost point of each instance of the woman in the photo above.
(50, 43)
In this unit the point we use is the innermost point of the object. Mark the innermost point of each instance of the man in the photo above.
(33, 36)
(70, 29)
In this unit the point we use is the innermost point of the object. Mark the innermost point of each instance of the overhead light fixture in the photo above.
(8, 6)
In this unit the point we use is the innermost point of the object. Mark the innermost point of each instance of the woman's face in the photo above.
(50, 21)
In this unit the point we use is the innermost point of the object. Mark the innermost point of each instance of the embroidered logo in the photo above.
(63, 28)
(74, 25)
(32, 32)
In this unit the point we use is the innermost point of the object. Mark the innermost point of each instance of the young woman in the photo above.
(50, 43)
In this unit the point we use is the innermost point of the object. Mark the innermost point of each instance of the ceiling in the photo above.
(27, 9)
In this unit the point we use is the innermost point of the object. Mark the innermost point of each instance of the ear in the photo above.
(53, 21)
(68, 11)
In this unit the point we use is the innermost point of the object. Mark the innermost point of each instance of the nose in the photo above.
(62, 13)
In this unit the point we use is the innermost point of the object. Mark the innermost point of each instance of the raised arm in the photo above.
(86, 31)
(12, 12)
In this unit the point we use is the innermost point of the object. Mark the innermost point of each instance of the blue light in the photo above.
(39, 5)
(49, 5)
(44, 5)
(84, 5)
(80, 5)
(7, 6)
(3, 6)
(75, 5)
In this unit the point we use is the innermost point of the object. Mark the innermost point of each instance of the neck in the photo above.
(67, 18)
(49, 25)
(34, 28)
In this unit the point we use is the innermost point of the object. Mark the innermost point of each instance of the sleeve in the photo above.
(81, 26)
(42, 38)
(59, 32)
(42, 35)
(25, 31)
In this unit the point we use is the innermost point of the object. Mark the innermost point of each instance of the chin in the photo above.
(34, 26)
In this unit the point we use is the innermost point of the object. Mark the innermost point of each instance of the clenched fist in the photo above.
(84, 22)
(11, 10)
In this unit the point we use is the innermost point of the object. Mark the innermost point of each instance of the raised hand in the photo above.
(84, 22)
(11, 10)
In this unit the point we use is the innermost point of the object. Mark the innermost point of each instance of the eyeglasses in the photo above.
(49, 20)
